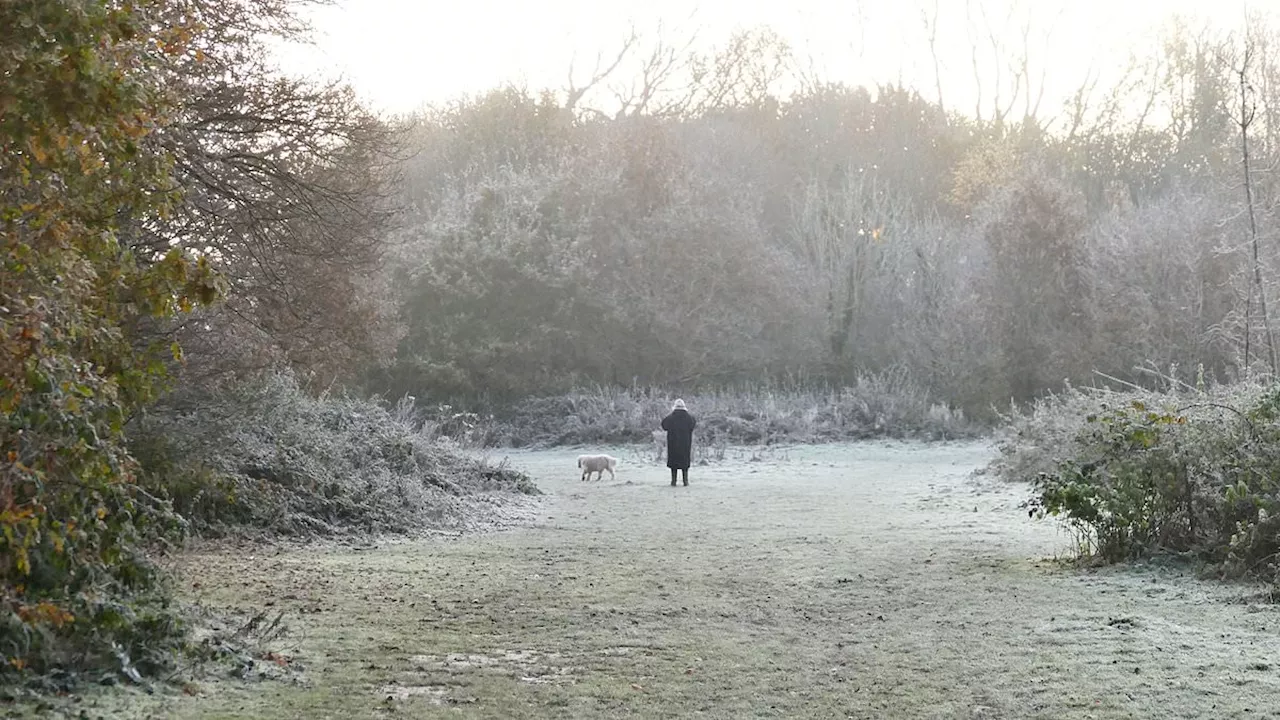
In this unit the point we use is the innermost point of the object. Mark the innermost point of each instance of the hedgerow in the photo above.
(81, 98)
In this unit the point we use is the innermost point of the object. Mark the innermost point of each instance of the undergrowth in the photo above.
(259, 458)
(267, 456)
(876, 406)
(1188, 472)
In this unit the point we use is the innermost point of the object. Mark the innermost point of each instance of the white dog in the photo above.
(597, 464)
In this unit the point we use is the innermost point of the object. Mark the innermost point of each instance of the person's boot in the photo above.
(673, 478)
(686, 478)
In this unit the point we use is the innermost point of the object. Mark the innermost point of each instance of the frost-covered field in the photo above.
(875, 580)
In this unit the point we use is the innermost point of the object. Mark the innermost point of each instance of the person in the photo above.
(679, 426)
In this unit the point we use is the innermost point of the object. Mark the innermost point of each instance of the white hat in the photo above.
(679, 405)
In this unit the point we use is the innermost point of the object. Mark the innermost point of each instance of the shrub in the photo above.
(81, 99)
(1129, 492)
(1196, 474)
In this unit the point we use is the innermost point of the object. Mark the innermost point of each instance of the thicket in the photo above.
(1188, 472)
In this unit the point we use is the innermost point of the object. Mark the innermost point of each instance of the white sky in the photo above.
(403, 54)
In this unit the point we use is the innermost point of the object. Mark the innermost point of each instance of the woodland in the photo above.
(239, 303)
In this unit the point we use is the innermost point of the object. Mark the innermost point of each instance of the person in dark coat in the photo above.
(679, 426)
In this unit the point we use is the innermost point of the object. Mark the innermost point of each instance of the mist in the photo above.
(876, 359)
(673, 216)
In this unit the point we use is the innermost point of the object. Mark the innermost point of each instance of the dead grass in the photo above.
(878, 405)
(864, 581)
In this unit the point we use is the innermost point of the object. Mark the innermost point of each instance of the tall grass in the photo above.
(876, 405)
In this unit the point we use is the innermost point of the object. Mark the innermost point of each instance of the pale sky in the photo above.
(401, 55)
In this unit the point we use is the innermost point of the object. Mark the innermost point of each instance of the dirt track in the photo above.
(865, 581)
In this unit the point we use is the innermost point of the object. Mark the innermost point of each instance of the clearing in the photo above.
(871, 580)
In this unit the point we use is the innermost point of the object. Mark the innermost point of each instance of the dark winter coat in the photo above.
(679, 426)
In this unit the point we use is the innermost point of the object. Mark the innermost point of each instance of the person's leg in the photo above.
(685, 472)
(673, 477)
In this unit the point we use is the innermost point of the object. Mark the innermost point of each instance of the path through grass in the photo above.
(866, 581)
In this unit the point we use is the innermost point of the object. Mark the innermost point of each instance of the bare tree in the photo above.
(656, 89)
(973, 58)
(674, 80)
(994, 56)
(931, 35)
(286, 189)
(1244, 120)
(574, 92)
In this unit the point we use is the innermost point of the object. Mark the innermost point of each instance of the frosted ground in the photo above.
(868, 581)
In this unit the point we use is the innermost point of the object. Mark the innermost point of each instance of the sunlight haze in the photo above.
(401, 55)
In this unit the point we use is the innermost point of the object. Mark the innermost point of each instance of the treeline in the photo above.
(728, 235)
